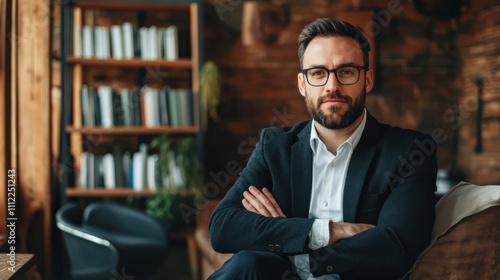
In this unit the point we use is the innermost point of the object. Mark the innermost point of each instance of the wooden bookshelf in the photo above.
(129, 72)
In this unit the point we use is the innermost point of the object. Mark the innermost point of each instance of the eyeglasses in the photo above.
(346, 75)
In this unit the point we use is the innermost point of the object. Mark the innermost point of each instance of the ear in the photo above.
(301, 83)
(369, 80)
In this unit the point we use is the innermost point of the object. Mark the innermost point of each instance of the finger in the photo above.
(254, 201)
(270, 196)
(264, 201)
(248, 206)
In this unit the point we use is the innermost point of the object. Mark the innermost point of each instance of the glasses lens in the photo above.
(348, 75)
(317, 76)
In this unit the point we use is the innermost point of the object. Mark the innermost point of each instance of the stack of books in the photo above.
(147, 107)
(135, 170)
(123, 42)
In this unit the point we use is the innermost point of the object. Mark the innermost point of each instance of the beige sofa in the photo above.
(465, 245)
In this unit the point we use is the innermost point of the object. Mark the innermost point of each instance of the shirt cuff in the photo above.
(302, 264)
(319, 234)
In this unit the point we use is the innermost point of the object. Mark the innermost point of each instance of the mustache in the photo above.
(335, 95)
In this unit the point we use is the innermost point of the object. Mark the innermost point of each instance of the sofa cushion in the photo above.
(466, 236)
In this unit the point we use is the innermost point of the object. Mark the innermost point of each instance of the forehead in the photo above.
(331, 51)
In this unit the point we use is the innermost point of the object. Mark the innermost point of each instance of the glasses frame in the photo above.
(359, 68)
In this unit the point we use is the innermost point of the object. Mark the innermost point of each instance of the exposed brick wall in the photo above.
(416, 69)
(478, 43)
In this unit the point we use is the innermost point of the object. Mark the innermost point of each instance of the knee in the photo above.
(250, 260)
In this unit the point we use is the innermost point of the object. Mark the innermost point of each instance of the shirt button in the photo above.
(329, 268)
(325, 203)
(331, 164)
(302, 266)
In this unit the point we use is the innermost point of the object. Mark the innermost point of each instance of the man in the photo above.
(339, 197)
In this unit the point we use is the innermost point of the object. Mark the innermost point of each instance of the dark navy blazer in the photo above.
(390, 183)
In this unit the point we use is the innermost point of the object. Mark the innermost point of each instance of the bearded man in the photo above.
(340, 196)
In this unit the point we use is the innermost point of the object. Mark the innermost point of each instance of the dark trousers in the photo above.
(258, 265)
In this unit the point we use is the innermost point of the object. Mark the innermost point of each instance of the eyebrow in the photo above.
(340, 65)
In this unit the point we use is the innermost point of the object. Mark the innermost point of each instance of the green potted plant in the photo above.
(210, 91)
(181, 176)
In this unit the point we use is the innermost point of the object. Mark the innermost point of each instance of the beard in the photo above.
(333, 118)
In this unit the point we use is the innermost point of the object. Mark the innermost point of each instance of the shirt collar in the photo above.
(352, 141)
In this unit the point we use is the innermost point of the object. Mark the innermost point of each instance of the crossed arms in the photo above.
(263, 203)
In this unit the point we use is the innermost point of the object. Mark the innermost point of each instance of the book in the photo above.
(171, 43)
(173, 108)
(138, 171)
(126, 106)
(137, 109)
(184, 100)
(87, 41)
(139, 168)
(83, 176)
(85, 103)
(106, 105)
(106, 42)
(98, 44)
(163, 106)
(150, 105)
(152, 44)
(117, 42)
(116, 107)
(152, 162)
(119, 171)
(128, 40)
(109, 177)
(143, 42)
(126, 169)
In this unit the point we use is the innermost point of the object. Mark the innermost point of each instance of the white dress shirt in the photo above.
(328, 180)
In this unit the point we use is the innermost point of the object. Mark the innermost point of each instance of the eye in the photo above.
(346, 71)
(317, 73)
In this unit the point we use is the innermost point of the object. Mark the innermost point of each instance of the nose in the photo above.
(332, 85)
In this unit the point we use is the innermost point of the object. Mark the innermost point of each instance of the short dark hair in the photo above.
(326, 27)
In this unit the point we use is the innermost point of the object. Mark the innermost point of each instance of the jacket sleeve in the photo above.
(404, 224)
(232, 228)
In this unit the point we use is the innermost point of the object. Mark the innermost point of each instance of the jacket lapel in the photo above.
(358, 167)
(301, 173)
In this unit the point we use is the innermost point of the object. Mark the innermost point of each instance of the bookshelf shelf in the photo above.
(100, 192)
(118, 192)
(132, 63)
(134, 6)
(130, 130)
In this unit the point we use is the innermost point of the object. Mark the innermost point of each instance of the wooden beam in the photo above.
(4, 90)
(31, 53)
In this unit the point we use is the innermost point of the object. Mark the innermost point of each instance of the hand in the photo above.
(340, 231)
(261, 202)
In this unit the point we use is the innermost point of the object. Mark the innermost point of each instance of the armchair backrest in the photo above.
(117, 218)
(91, 257)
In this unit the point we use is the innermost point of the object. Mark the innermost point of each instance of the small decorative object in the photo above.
(263, 21)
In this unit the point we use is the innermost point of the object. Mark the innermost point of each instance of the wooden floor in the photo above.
(176, 266)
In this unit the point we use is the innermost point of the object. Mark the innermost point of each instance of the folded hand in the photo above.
(261, 202)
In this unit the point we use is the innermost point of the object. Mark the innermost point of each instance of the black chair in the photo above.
(108, 241)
